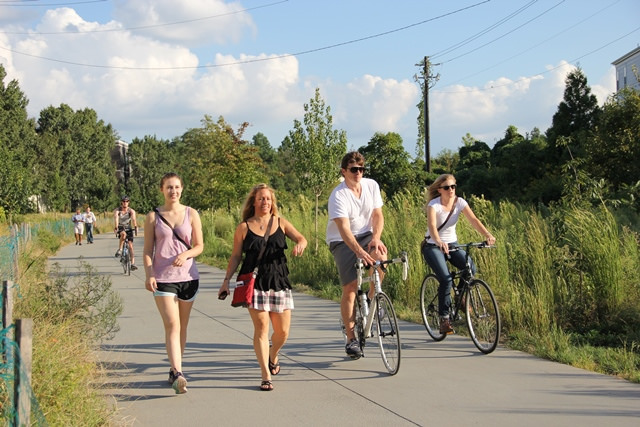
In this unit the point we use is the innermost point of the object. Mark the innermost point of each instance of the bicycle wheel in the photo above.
(429, 307)
(483, 317)
(388, 333)
(358, 329)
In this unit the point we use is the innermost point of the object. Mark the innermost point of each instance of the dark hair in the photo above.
(169, 175)
(352, 157)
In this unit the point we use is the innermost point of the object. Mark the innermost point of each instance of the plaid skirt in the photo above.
(276, 301)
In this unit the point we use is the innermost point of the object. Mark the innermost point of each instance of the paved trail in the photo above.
(438, 383)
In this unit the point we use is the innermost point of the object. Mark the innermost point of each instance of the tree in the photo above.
(150, 159)
(613, 151)
(17, 157)
(316, 150)
(79, 143)
(219, 166)
(388, 163)
(576, 116)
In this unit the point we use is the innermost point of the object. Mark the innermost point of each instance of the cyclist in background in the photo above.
(354, 229)
(443, 210)
(125, 224)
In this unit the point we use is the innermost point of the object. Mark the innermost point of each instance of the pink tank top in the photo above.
(167, 247)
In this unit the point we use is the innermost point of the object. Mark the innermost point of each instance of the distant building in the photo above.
(625, 76)
(120, 158)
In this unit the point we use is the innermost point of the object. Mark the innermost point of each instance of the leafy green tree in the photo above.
(80, 143)
(316, 150)
(219, 166)
(17, 157)
(614, 149)
(388, 163)
(150, 159)
(472, 170)
(571, 125)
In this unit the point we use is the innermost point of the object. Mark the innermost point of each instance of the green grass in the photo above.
(565, 277)
(71, 316)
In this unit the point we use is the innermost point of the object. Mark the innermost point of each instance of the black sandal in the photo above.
(266, 385)
(274, 368)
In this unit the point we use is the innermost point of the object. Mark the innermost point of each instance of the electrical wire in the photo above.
(143, 27)
(249, 61)
(574, 61)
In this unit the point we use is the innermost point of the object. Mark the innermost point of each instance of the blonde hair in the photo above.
(432, 190)
(248, 210)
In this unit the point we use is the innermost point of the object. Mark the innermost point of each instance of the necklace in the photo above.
(261, 224)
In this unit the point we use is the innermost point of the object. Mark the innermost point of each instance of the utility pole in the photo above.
(429, 80)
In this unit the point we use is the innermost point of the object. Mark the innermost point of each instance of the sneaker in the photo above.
(445, 326)
(180, 383)
(117, 253)
(133, 267)
(353, 349)
(172, 377)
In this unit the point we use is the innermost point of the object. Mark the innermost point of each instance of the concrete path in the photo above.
(446, 383)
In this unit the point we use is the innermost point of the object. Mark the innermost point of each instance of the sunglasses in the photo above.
(448, 187)
(356, 169)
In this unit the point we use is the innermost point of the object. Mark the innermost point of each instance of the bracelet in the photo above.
(226, 279)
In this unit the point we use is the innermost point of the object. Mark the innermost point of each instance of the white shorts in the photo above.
(79, 227)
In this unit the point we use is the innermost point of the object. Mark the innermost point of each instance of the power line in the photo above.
(538, 44)
(574, 61)
(144, 27)
(505, 34)
(484, 31)
(44, 4)
(249, 61)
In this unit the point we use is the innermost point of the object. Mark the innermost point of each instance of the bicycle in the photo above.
(125, 258)
(470, 296)
(378, 317)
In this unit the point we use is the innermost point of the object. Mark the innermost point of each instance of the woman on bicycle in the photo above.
(443, 210)
(172, 240)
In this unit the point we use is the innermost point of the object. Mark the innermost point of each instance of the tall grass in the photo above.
(565, 277)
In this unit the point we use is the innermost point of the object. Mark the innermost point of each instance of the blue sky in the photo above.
(156, 67)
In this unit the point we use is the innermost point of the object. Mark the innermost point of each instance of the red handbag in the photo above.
(243, 293)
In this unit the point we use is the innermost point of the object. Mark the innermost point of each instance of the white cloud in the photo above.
(209, 21)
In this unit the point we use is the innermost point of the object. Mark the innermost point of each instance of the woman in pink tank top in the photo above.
(172, 239)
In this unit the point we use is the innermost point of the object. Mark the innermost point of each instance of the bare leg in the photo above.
(175, 317)
(346, 308)
(281, 323)
(261, 340)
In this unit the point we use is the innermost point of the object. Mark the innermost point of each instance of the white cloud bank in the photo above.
(152, 82)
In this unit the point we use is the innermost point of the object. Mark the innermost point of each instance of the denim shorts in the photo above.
(185, 291)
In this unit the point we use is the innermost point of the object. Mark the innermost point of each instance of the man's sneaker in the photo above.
(180, 383)
(117, 253)
(172, 377)
(445, 326)
(133, 267)
(353, 349)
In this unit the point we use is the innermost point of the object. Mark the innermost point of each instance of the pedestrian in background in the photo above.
(78, 225)
(89, 219)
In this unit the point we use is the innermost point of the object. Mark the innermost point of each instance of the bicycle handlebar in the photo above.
(479, 245)
(402, 258)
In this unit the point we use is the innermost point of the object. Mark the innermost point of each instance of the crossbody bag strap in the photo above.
(455, 202)
(172, 229)
(264, 245)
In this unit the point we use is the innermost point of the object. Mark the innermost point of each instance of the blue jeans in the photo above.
(89, 229)
(435, 259)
